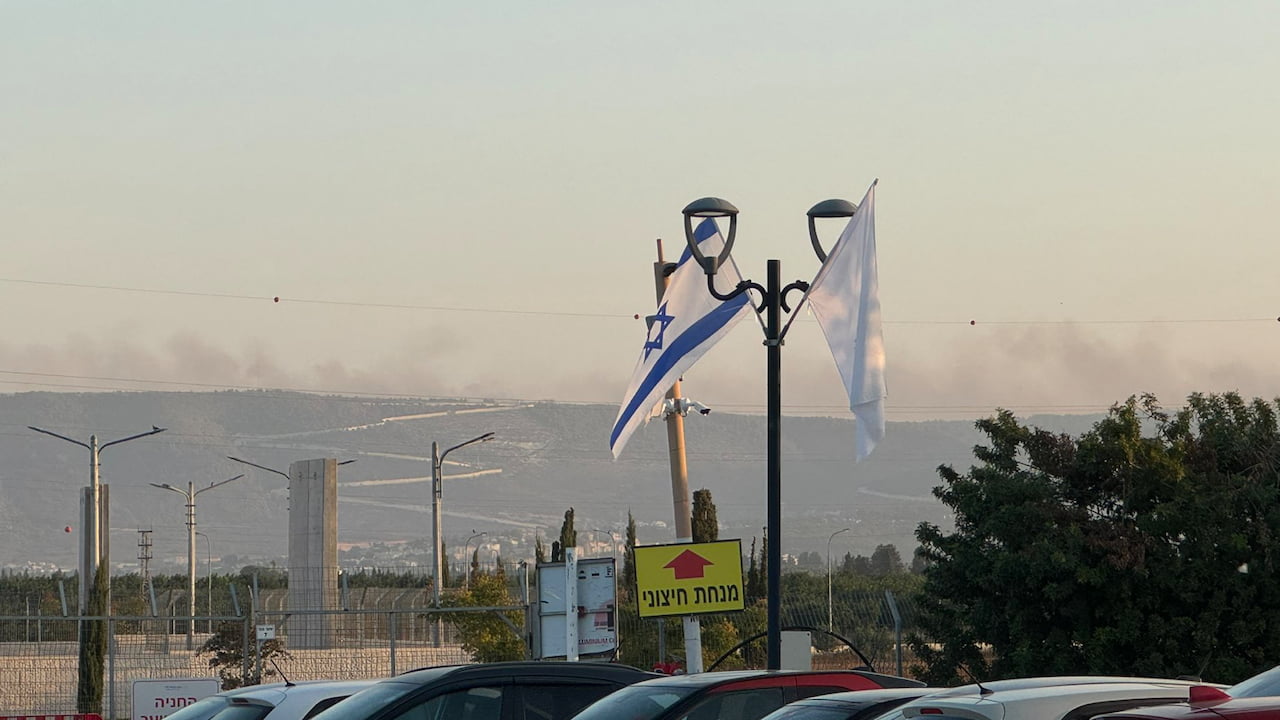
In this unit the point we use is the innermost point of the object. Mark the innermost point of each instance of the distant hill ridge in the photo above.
(545, 458)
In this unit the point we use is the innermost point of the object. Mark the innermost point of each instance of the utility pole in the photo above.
(190, 494)
(144, 561)
(95, 547)
(437, 493)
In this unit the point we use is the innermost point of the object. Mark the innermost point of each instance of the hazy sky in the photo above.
(1093, 183)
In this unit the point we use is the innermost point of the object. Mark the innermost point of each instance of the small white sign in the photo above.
(266, 632)
(156, 699)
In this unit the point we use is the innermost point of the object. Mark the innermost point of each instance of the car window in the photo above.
(556, 702)
(243, 711)
(1107, 706)
(810, 712)
(368, 701)
(1266, 684)
(202, 709)
(638, 702)
(474, 703)
(750, 704)
(808, 691)
(323, 705)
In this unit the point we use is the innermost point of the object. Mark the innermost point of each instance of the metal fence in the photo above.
(39, 656)
(384, 631)
(857, 629)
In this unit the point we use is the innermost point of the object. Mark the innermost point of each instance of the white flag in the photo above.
(845, 297)
(688, 322)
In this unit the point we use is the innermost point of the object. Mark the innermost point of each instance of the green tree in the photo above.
(228, 657)
(885, 560)
(629, 558)
(486, 635)
(93, 647)
(539, 550)
(706, 528)
(568, 536)
(1146, 546)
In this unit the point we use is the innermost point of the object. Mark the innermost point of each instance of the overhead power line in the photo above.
(276, 299)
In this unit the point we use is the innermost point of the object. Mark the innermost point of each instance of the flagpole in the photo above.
(679, 478)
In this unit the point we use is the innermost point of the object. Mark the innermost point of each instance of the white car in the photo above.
(276, 701)
(1055, 702)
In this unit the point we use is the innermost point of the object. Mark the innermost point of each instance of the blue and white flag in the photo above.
(845, 297)
(688, 322)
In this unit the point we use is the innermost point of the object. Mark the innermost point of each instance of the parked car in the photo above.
(531, 690)
(731, 694)
(855, 705)
(1257, 698)
(274, 701)
(1050, 702)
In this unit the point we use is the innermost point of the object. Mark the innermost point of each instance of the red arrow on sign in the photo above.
(688, 565)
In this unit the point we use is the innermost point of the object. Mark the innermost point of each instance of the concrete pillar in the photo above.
(313, 552)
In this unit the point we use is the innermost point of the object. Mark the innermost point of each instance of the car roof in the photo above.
(595, 670)
(1052, 700)
(717, 677)
(274, 691)
(1054, 681)
(861, 698)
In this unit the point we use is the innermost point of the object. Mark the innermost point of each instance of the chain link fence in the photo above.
(374, 632)
(857, 629)
(39, 656)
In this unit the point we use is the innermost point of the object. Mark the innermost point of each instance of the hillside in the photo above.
(546, 457)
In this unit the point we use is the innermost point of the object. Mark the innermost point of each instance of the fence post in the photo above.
(393, 630)
(111, 665)
(897, 628)
(244, 648)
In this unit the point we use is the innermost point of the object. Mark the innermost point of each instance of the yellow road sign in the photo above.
(689, 578)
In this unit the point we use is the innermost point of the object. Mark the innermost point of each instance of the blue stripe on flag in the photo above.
(698, 333)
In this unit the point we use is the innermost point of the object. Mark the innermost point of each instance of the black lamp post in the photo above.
(772, 305)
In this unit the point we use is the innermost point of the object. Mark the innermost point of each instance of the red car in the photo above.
(1257, 698)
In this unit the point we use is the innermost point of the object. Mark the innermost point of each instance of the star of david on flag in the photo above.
(689, 322)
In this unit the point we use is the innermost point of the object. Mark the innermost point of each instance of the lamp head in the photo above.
(710, 207)
(834, 208)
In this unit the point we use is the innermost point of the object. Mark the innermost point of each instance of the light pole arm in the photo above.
(220, 483)
(482, 438)
(153, 431)
(167, 486)
(60, 437)
(260, 467)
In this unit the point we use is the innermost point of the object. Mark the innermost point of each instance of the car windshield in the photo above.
(202, 709)
(368, 701)
(1265, 684)
(638, 702)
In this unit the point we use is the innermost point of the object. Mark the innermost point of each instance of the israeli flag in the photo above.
(688, 322)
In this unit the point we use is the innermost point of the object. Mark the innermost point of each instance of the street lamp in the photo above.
(613, 543)
(190, 494)
(829, 539)
(466, 555)
(772, 305)
(437, 486)
(95, 544)
(208, 577)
